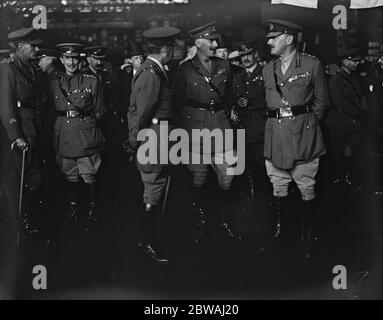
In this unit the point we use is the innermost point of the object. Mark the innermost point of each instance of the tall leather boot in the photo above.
(251, 184)
(31, 211)
(308, 235)
(278, 208)
(73, 210)
(148, 230)
(92, 219)
(225, 202)
(200, 209)
(279, 232)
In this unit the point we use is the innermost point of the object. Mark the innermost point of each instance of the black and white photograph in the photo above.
(191, 155)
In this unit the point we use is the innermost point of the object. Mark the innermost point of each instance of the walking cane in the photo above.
(168, 180)
(20, 208)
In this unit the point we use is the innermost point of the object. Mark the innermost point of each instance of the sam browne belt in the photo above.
(75, 114)
(288, 112)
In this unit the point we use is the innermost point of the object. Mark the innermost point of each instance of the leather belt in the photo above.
(171, 121)
(212, 107)
(288, 112)
(26, 105)
(75, 114)
(263, 110)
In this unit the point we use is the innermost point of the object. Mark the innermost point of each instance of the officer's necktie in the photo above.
(207, 64)
(248, 72)
(284, 66)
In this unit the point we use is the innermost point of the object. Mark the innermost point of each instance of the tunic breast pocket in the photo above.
(195, 87)
(219, 79)
(305, 82)
(81, 100)
(24, 89)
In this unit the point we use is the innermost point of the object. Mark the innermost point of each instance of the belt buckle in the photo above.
(285, 112)
(71, 114)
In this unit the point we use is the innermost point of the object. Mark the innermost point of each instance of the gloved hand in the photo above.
(234, 116)
(243, 102)
(20, 143)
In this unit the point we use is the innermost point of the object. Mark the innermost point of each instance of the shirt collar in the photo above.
(289, 57)
(158, 63)
(346, 70)
(203, 59)
(251, 69)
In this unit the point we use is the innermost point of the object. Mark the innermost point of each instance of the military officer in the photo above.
(129, 70)
(203, 96)
(348, 102)
(77, 138)
(96, 57)
(297, 98)
(222, 52)
(151, 105)
(18, 131)
(113, 124)
(48, 63)
(251, 105)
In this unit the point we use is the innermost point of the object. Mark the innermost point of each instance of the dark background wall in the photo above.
(238, 19)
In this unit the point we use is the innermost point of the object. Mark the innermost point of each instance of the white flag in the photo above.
(299, 3)
(362, 4)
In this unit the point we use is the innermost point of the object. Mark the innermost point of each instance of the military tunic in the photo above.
(151, 102)
(201, 105)
(18, 116)
(19, 92)
(295, 140)
(108, 83)
(81, 136)
(252, 118)
(344, 116)
(347, 98)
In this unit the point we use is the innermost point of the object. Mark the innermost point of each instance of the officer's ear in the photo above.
(290, 40)
(62, 59)
(20, 45)
(198, 43)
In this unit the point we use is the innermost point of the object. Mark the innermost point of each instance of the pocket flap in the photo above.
(192, 113)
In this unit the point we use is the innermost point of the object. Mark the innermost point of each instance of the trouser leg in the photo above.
(224, 201)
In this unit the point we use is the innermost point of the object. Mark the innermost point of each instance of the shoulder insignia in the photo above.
(309, 55)
(152, 69)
